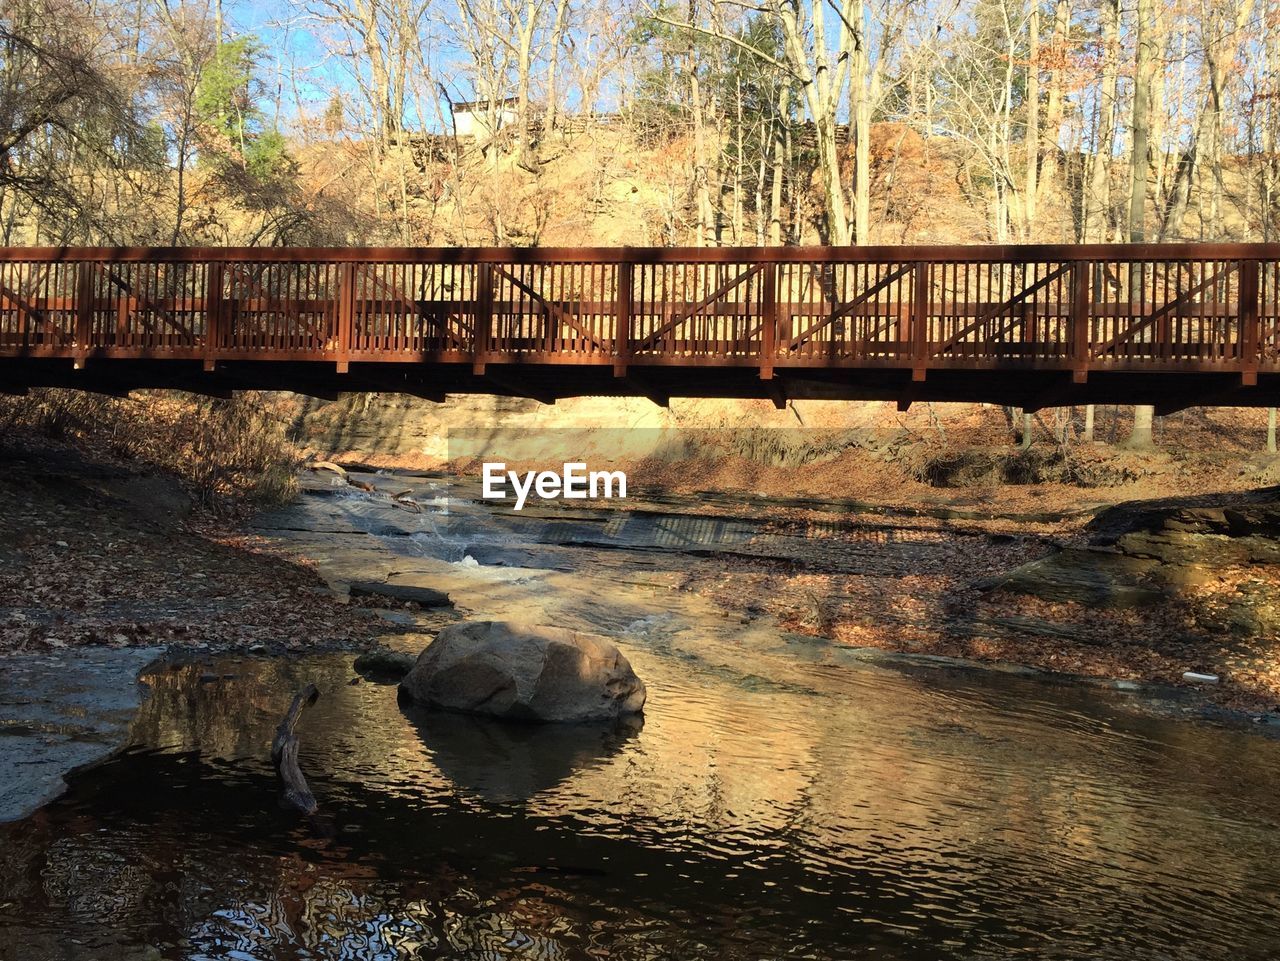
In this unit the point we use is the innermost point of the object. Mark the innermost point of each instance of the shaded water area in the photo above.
(783, 798)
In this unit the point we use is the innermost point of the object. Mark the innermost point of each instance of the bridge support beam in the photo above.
(778, 394)
(1228, 396)
(1057, 394)
(642, 386)
(513, 385)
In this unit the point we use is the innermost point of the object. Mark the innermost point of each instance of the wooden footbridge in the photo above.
(1031, 326)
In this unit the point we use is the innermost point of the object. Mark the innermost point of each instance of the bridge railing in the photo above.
(1077, 308)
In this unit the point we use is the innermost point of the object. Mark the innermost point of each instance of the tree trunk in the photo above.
(1033, 121)
(1140, 438)
(822, 85)
(553, 61)
(1207, 136)
(832, 186)
(1138, 157)
(1098, 200)
(524, 70)
(779, 166)
(1051, 128)
(860, 96)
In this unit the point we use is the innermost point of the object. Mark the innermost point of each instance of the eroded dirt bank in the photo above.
(97, 553)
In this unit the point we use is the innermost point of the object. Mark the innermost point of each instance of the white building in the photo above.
(481, 119)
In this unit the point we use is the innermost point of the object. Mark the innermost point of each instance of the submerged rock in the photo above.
(1096, 578)
(423, 596)
(505, 761)
(382, 662)
(524, 673)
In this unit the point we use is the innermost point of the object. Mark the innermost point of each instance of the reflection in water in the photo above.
(876, 815)
(781, 800)
(504, 761)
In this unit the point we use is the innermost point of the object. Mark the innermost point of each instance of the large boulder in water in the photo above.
(524, 673)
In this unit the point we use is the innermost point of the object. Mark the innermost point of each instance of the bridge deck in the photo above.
(1034, 325)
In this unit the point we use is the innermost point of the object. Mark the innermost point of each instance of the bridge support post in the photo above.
(84, 312)
(1080, 322)
(768, 320)
(920, 322)
(213, 320)
(622, 319)
(1248, 320)
(482, 329)
(346, 316)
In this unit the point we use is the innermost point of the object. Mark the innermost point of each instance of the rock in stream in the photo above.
(524, 673)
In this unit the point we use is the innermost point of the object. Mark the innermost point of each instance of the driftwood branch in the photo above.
(284, 754)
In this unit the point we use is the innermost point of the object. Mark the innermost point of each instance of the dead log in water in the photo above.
(284, 754)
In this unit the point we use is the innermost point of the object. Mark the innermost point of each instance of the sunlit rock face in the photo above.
(525, 673)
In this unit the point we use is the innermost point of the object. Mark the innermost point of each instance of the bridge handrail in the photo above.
(977, 253)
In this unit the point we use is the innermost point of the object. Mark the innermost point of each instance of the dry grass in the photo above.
(225, 451)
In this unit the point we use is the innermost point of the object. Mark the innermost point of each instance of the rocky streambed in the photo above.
(1202, 574)
(784, 795)
(788, 792)
(103, 572)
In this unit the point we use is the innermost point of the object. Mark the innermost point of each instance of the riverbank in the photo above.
(95, 552)
(1064, 596)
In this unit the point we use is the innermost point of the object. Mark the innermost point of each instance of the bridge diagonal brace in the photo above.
(399, 297)
(998, 310)
(697, 308)
(312, 327)
(147, 303)
(28, 310)
(844, 310)
(556, 309)
(1177, 303)
(994, 312)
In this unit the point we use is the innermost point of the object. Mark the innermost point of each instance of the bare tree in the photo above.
(1220, 34)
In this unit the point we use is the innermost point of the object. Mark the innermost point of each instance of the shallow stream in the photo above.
(784, 797)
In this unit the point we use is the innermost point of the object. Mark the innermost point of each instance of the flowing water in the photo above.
(783, 799)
